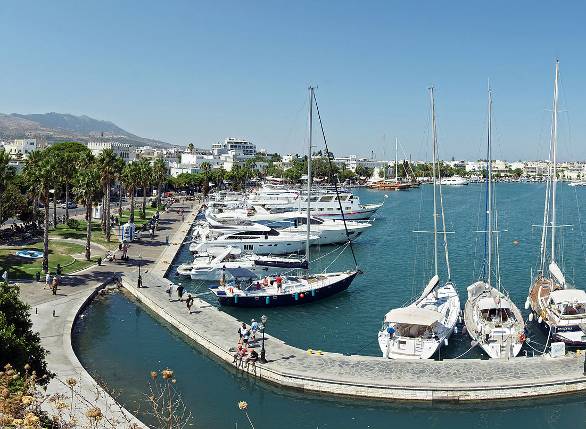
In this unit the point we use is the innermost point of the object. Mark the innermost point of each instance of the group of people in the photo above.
(53, 282)
(247, 336)
(180, 290)
(265, 282)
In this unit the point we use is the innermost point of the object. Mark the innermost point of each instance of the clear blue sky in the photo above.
(186, 71)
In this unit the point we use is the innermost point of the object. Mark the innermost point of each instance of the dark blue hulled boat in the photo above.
(247, 290)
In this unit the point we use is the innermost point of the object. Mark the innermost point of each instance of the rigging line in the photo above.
(335, 181)
(335, 259)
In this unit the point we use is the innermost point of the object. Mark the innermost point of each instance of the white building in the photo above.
(242, 149)
(123, 150)
(20, 148)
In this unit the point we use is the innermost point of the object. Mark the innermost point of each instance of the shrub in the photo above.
(72, 223)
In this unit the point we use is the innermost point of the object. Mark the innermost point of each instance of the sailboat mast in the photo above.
(554, 135)
(309, 173)
(396, 160)
(489, 189)
(433, 167)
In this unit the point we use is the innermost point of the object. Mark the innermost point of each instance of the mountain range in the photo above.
(59, 126)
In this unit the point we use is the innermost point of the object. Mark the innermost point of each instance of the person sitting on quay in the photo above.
(252, 359)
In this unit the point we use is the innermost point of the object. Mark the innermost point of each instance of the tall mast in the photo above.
(489, 188)
(309, 173)
(396, 161)
(433, 166)
(554, 136)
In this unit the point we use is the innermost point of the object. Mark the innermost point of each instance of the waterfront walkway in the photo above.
(53, 316)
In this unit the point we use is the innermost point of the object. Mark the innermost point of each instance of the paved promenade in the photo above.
(75, 292)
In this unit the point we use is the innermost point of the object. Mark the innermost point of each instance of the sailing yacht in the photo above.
(420, 329)
(247, 290)
(492, 319)
(559, 308)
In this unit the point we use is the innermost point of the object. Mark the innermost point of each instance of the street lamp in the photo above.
(139, 276)
(264, 320)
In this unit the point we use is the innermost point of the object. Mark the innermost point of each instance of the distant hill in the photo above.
(58, 126)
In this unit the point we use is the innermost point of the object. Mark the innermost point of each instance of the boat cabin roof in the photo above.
(489, 302)
(568, 296)
(413, 316)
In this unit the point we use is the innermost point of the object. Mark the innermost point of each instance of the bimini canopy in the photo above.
(568, 296)
(491, 302)
(240, 273)
(413, 316)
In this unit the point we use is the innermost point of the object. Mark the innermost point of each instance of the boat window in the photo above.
(326, 198)
(572, 309)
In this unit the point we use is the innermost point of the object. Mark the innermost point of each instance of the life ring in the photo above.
(231, 290)
(522, 337)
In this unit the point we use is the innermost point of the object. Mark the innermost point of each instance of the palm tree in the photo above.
(206, 167)
(145, 176)
(88, 191)
(159, 177)
(108, 166)
(39, 176)
(131, 179)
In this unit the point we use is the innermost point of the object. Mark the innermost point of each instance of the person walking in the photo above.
(48, 280)
(180, 290)
(54, 285)
(169, 291)
(189, 302)
(253, 329)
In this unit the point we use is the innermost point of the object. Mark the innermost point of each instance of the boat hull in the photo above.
(287, 299)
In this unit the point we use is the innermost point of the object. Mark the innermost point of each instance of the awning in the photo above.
(240, 273)
(413, 316)
(568, 295)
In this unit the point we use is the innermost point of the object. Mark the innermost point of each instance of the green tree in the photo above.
(67, 155)
(19, 345)
(206, 168)
(160, 175)
(145, 173)
(39, 175)
(88, 189)
(109, 168)
(8, 188)
(131, 180)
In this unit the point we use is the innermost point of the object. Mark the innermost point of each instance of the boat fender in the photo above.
(312, 292)
(267, 300)
(522, 337)
(531, 317)
(455, 329)
(235, 299)
(302, 296)
(540, 319)
(527, 304)
(446, 341)
(296, 296)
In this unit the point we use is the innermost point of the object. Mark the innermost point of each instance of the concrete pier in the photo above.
(360, 376)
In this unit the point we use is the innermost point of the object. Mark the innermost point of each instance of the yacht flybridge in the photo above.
(420, 329)
(247, 290)
(559, 308)
(492, 319)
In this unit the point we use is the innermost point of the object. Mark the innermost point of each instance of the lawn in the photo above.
(60, 252)
(98, 236)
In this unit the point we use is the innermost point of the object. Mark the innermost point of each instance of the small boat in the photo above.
(420, 329)
(559, 308)
(577, 183)
(492, 319)
(454, 181)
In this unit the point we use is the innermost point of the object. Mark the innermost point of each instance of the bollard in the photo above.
(36, 310)
(53, 312)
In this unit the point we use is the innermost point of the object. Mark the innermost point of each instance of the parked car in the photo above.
(69, 205)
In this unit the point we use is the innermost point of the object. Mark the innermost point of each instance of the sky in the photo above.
(198, 72)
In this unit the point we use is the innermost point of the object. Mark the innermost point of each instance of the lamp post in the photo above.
(264, 320)
(139, 276)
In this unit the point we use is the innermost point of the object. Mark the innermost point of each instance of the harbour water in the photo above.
(120, 343)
